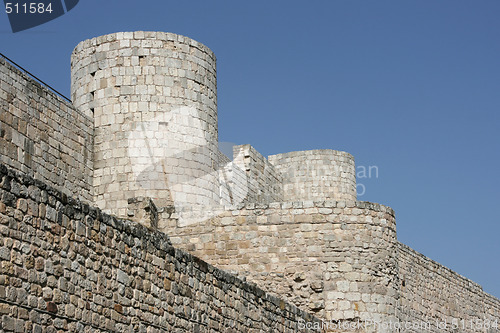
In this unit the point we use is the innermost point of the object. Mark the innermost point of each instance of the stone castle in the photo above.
(119, 213)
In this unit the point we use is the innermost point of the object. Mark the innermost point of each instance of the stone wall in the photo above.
(334, 259)
(263, 180)
(67, 267)
(434, 294)
(44, 136)
(322, 174)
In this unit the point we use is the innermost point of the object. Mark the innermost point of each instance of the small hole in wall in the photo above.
(403, 283)
(92, 110)
(142, 61)
(92, 94)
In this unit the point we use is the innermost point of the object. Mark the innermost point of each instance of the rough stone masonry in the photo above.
(90, 190)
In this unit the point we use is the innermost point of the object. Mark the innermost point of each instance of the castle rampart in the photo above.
(141, 143)
(433, 293)
(263, 182)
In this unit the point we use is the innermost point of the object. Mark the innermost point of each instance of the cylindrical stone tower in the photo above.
(153, 96)
(317, 175)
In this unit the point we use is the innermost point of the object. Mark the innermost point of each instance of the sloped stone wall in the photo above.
(67, 267)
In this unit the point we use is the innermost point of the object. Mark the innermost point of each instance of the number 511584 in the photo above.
(25, 8)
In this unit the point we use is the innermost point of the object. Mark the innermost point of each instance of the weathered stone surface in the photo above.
(154, 106)
(126, 278)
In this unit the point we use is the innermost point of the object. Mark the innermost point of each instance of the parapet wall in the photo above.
(65, 266)
(434, 294)
(43, 135)
(323, 174)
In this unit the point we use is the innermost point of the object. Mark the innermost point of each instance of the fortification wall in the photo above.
(340, 261)
(434, 294)
(323, 174)
(330, 258)
(43, 135)
(153, 96)
(65, 266)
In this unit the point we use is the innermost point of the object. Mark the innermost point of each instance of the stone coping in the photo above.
(140, 35)
(289, 205)
(312, 152)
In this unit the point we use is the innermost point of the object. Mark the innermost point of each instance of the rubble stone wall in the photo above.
(142, 143)
(68, 267)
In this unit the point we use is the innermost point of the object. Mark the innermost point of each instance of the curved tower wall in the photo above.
(153, 96)
(335, 259)
(317, 175)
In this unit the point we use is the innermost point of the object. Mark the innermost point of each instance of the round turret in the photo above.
(153, 96)
(317, 175)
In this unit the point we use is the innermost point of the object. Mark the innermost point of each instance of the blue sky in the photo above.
(411, 87)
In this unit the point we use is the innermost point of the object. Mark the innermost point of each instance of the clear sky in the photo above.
(411, 87)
